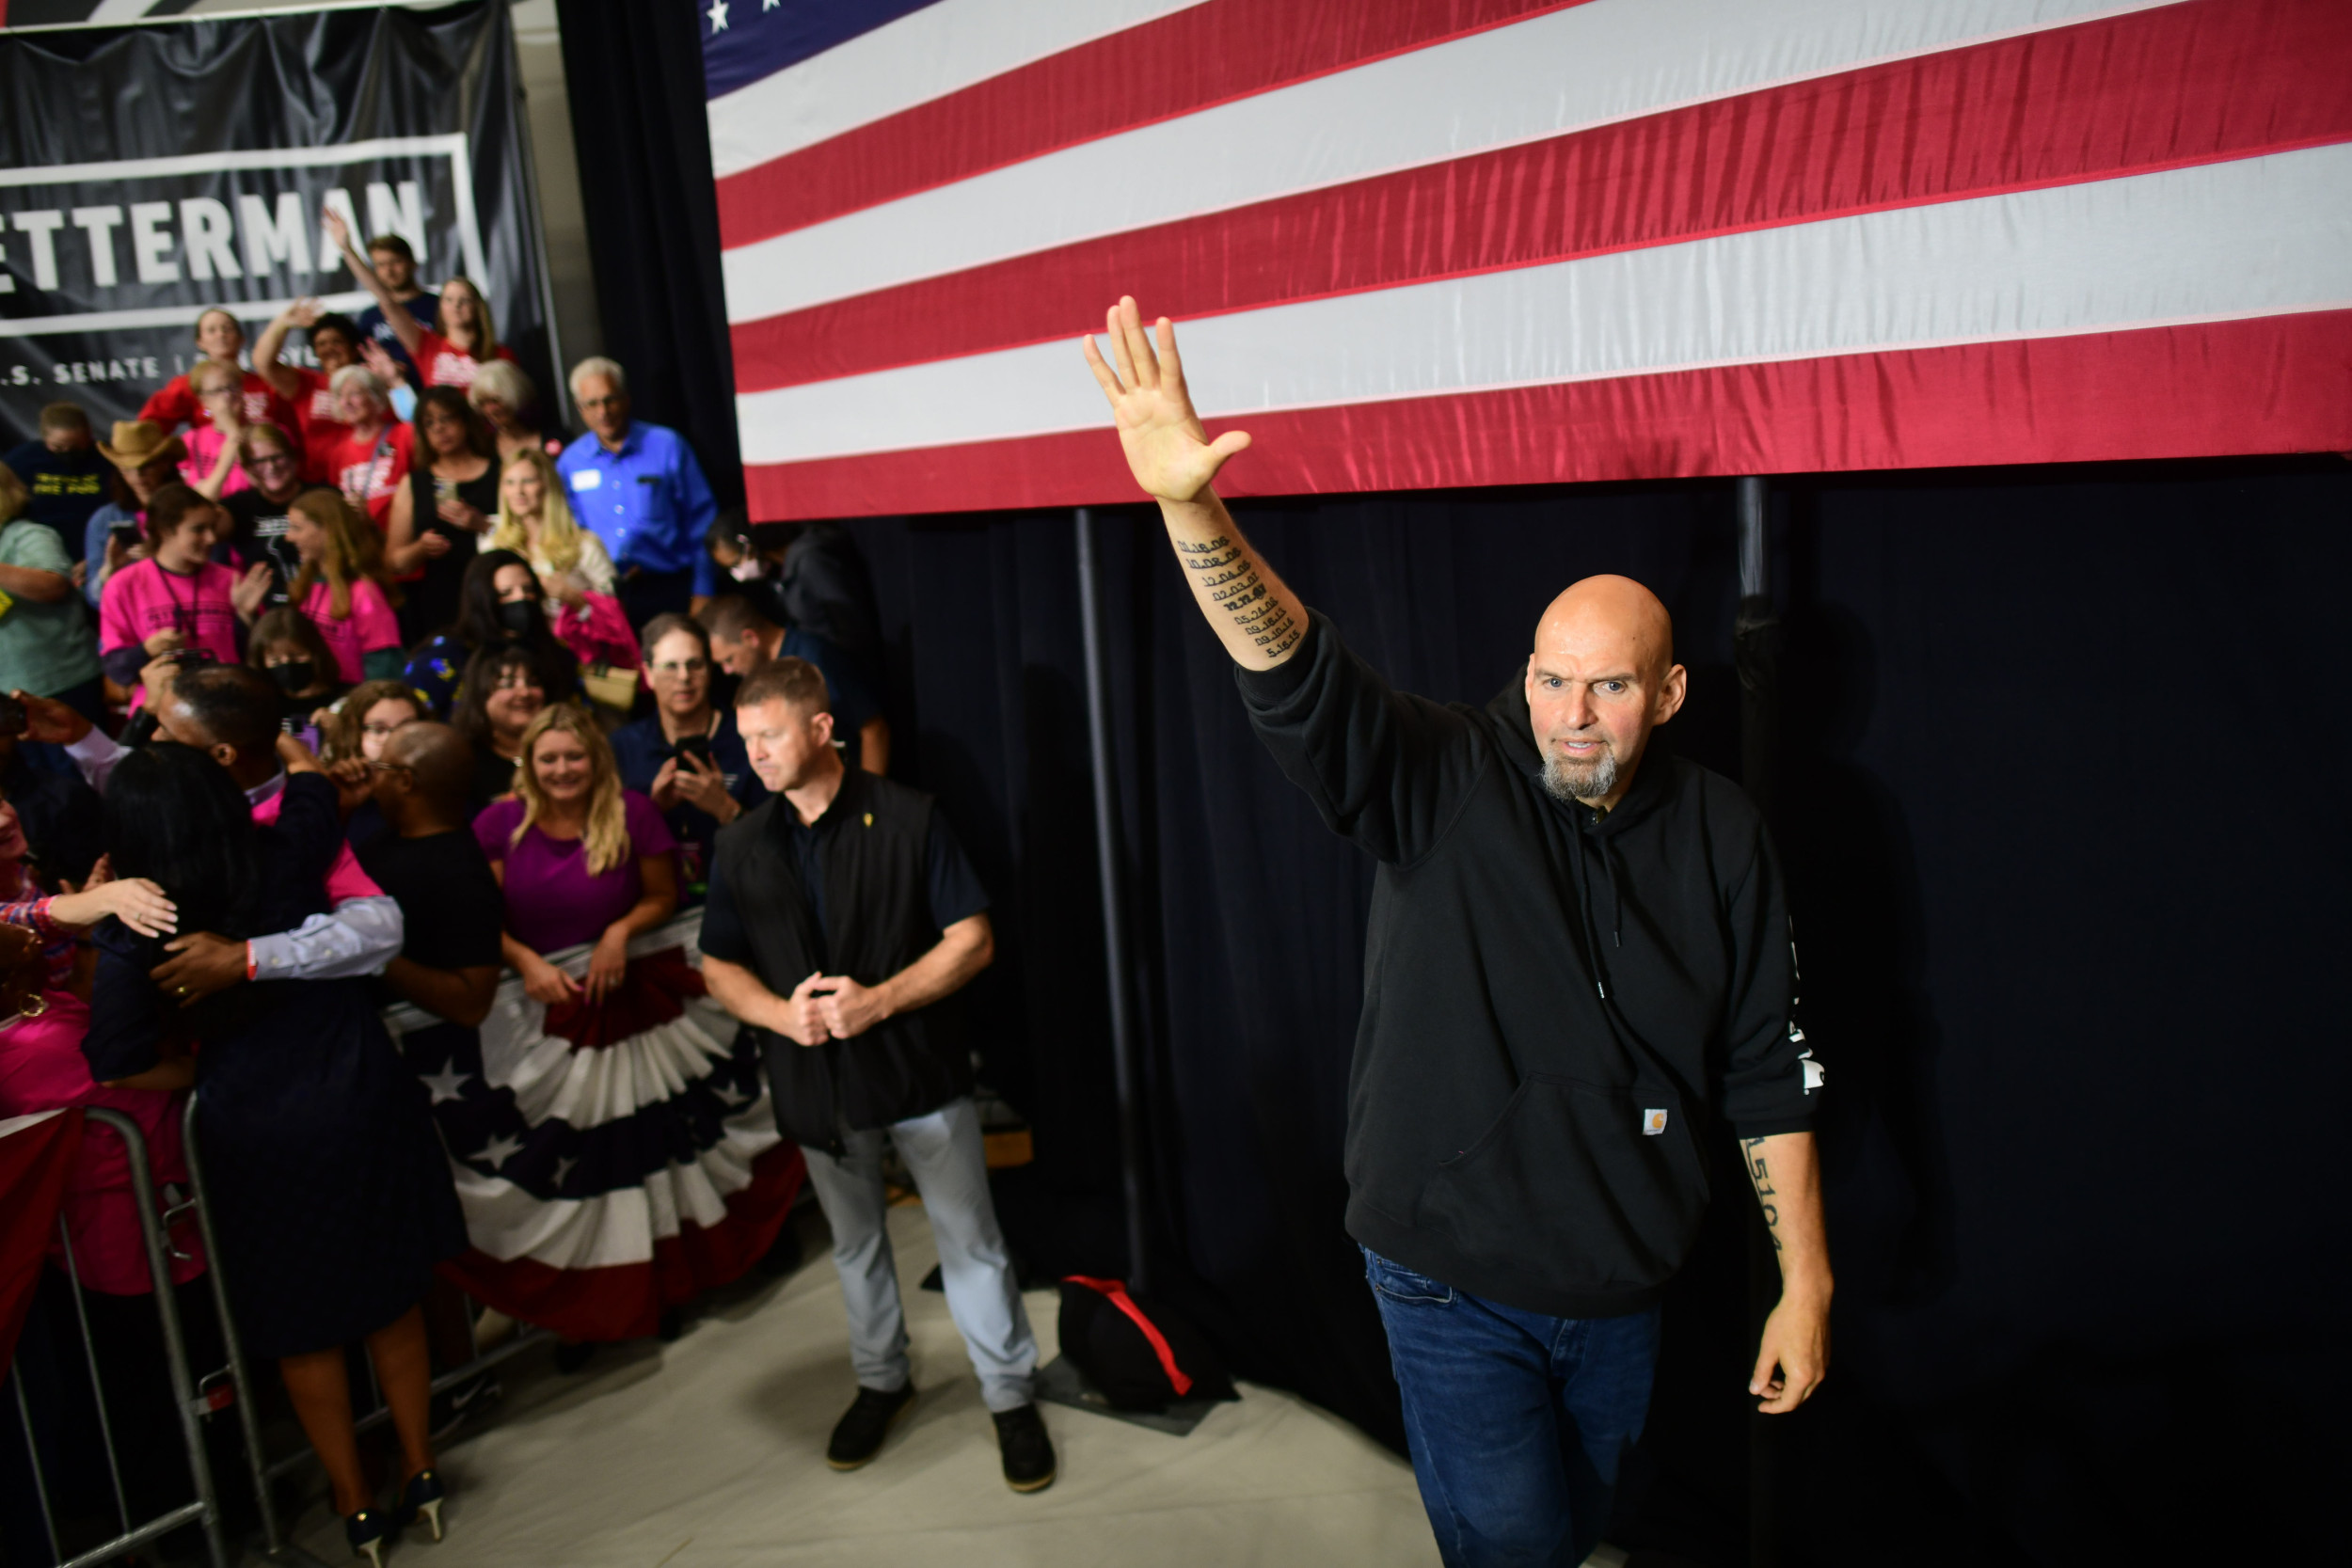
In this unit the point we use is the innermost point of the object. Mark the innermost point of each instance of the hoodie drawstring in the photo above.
(1584, 909)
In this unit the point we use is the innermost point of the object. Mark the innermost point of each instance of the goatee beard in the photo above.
(1572, 784)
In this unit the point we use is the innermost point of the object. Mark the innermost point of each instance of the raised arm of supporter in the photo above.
(1383, 768)
(963, 950)
(396, 316)
(280, 375)
(225, 461)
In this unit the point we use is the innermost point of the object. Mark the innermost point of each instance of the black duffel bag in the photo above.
(1140, 1354)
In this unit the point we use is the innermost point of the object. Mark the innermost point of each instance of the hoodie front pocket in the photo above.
(1568, 1187)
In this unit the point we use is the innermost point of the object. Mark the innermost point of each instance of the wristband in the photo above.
(252, 963)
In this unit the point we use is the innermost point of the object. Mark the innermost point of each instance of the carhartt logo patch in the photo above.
(1653, 1123)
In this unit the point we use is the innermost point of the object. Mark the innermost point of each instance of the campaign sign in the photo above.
(206, 184)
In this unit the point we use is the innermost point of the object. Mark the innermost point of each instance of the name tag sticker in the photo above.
(587, 479)
(1653, 1123)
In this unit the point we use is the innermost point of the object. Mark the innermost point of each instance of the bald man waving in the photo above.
(1577, 954)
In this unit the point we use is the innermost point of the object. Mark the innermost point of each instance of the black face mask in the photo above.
(296, 675)
(519, 617)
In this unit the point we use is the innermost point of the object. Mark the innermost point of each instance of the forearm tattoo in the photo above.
(1762, 1176)
(1235, 587)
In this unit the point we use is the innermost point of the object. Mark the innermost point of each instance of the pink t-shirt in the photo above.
(369, 626)
(598, 632)
(143, 599)
(204, 443)
(345, 881)
(41, 1068)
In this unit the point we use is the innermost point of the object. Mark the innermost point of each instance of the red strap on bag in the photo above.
(1117, 1290)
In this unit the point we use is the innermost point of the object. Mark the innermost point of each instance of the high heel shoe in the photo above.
(367, 1531)
(424, 1495)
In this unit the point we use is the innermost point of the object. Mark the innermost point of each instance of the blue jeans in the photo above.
(1516, 1420)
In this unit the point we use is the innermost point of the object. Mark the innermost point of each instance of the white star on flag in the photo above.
(498, 1150)
(449, 1083)
(718, 14)
(731, 1095)
(563, 1169)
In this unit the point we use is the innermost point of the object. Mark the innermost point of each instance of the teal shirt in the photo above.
(44, 648)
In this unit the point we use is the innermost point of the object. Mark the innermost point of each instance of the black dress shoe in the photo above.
(1029, 1451)
(857, 1437)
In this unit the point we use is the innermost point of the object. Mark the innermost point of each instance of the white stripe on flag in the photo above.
(1565, 70)
(2258, 236)
(928, 54)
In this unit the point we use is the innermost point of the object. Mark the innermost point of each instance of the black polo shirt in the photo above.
(953, 887)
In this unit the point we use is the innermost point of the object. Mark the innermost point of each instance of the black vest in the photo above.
(878, 920)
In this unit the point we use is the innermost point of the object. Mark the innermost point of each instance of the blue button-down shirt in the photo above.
(648, 502)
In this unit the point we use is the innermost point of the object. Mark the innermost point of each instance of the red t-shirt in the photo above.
(176, 406)
(445, 364)
(370, 472)
(322, 433)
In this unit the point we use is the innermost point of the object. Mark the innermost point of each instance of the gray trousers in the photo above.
(944, 1152)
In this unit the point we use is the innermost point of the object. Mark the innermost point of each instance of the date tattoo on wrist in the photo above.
(1235, 587)
(1760, 1175)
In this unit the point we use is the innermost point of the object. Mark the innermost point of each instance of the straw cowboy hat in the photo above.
(140, 442)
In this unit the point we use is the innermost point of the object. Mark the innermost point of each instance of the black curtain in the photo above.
(634, 74)
(2058, 797)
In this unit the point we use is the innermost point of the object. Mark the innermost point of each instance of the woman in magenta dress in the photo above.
(611, 1143)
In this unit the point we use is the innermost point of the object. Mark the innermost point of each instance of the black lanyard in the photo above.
(187, 627)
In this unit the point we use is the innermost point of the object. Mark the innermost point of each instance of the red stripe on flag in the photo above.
(2273, 383)
(625, 1301)
(1182, 64)
(2200, 82)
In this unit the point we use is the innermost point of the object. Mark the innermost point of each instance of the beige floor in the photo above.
(709, 1453)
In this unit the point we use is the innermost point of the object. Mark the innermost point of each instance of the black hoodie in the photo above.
(1553, 997)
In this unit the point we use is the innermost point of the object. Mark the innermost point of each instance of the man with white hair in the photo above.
(638, 488)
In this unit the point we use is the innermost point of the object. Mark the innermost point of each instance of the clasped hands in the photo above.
(830, 1007)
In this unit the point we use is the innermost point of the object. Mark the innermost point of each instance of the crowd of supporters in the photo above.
(395, 694)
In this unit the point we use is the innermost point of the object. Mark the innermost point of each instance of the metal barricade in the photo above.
(264, 1469)
(191, 1403)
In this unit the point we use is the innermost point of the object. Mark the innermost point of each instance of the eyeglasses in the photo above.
(271, 460)
(674, 668)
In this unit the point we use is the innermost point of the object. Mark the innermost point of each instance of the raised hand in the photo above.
(1167, 449)
(336, 230)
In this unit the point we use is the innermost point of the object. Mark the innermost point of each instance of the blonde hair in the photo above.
(485, 326)
(559, 530)
(348, 560)
(14, 497)
(606, 834)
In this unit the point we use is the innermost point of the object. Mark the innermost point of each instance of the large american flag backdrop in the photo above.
(1417, 243)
